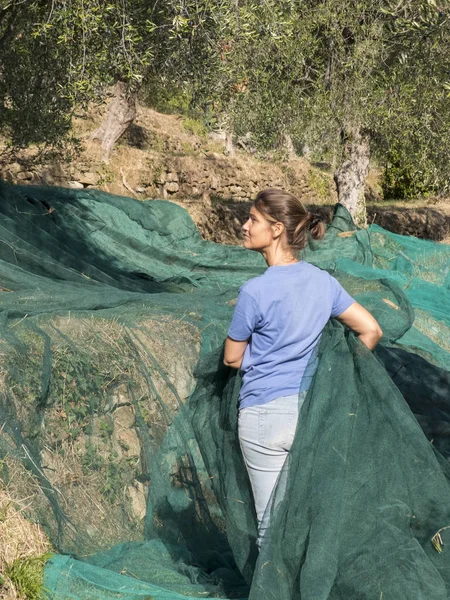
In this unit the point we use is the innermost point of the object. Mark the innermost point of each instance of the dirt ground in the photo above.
(219, 213)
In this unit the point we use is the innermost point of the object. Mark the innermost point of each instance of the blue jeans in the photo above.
(266, 433)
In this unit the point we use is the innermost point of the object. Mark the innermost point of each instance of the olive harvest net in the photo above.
(118, 418)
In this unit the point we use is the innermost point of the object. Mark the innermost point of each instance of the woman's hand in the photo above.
(234, 353)
(363, 323)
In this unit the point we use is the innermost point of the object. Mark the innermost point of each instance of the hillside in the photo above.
(172, 157)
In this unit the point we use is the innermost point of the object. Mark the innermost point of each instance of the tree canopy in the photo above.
(345, 80)
(349, 80)
(60, 55)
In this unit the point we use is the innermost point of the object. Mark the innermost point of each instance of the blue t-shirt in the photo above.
(282, 313)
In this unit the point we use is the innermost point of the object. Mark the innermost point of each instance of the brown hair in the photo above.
(278, 206)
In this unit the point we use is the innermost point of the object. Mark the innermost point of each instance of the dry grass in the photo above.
(159, 142)
(91, 458)
(19, 539)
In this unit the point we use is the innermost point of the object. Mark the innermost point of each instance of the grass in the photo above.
(27, 575)
(82, 452)
(24, 550)
(194, 127)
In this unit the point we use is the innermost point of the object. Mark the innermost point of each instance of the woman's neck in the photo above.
(278, 258)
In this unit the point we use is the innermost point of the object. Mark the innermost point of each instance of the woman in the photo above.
(274, 335)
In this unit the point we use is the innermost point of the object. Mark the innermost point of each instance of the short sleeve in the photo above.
(245, 318)
(341, 299)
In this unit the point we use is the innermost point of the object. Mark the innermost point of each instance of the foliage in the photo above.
(325, 73)
(400, 181)
(58, 56)
(320, 183)
(27, 574)
(166, 96)
(116, 476)
(91, 460)
(194, 126)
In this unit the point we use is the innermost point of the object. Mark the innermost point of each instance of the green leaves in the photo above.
(311, 70)
(56, 58)
(27, 575)
(317, 71)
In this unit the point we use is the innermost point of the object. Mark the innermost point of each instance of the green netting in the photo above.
(118, 418)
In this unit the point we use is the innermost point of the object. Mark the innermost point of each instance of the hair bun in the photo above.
(315, 219)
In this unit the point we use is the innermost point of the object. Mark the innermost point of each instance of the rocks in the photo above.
(17, 173)
(128, 442)
(74, 177)
(14, 168)
(138, 500)
(172, 187)
(188, 179)
(235, 189)
(167, 182)
(171, 177)
(88, 179)
(125, 438)
(124, 417)
(24, 176)
(75, 185)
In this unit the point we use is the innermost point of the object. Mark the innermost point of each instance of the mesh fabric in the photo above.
(118, 418)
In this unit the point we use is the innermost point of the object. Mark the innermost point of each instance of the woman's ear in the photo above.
(278, 229)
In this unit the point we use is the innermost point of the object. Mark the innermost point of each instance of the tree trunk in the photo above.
(229, 147)
(287, 145)
(351, 175)
(121, 113)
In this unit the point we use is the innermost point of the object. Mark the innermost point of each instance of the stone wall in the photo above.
(169, 178)
(230, 179)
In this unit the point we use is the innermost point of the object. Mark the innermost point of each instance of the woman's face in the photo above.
(258, 232)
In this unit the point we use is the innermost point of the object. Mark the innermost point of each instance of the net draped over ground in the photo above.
(118, 418)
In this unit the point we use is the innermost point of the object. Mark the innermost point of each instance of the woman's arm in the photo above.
(234, 352)
(363, 323)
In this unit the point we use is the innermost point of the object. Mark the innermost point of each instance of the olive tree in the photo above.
(349, 80)
(60, 55)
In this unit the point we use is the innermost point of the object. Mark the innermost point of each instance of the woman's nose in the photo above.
(245, 226)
